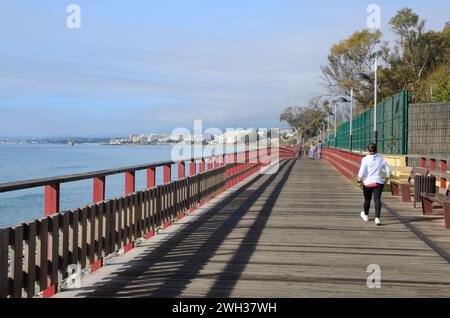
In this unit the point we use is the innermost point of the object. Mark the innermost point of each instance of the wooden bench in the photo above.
(406, 185)
(443, 200)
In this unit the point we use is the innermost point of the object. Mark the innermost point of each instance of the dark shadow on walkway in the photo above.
(168, 269)
(230, 276)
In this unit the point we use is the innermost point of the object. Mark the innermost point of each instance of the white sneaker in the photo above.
(364, 217)
(377, 221)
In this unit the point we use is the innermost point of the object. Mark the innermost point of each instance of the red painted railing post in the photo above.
(99, 189)
(181, 170)
(433, 164)
(130, 183)
(423, 162)
(247, 158)
(443, 168)
(202, 166)
(216, 162)
(192, 168)
(236, 168)
(51, 199)
(151, 178)
(210, 164)
(167, 173)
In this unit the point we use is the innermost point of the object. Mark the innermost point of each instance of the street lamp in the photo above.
(336, 100)
(346, 100)
(329, 114)
(365, 77)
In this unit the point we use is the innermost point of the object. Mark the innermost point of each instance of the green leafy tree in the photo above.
(419, 61)
(306, 121)
(355, 54)
(416, 56)
(436, 88)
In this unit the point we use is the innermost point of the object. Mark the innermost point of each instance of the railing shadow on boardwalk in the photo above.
(168, 269)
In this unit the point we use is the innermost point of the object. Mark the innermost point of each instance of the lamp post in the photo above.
(322, 101)
(365, 77)
(328, 128)
(337, 100)
(351, 120)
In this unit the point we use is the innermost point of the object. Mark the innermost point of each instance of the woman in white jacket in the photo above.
(371, 178)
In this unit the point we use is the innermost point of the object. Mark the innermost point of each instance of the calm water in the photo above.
(25, 162)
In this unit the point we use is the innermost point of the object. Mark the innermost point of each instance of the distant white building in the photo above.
(134, 138)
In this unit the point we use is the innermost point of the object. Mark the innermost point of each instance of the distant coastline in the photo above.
(163, 139)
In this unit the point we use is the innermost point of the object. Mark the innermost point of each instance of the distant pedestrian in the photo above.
(372, 181)
(312, 151)
(319, 150)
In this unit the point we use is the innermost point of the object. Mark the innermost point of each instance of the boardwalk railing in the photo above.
(35, 256)
(348, 163)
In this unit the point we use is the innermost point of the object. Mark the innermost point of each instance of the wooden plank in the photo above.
(65, 240)
(133, 217)
(145, 212)
(82, 238)
(16, 270)
(30, 258)
(42, 255)
(99, 230)
(152, 209)
(20, 185)
(54, 254)
(91, 234)
(4, 255)
(138, 218)
(175, 202)
(119, 224)
(169, 202)
(74, 243)
(140, 214)
(164, 201)
(113, 226)
(126, 224)
(107, 229)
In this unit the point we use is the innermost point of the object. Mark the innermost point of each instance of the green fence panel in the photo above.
(392, 126)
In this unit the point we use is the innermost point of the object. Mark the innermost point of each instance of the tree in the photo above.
(436, 88)
(416, 56)
(419, 62)
(355, 54)
(306, 121)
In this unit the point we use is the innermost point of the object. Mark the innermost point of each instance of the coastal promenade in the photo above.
(296, 233)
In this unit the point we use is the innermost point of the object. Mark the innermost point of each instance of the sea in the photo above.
(19, 162)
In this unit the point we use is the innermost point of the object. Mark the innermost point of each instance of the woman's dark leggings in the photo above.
(376, 194)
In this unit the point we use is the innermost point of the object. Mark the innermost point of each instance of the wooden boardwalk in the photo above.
(293, 234)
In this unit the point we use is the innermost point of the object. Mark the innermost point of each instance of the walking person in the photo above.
(372, 181)
(312, 151)
(319, 150)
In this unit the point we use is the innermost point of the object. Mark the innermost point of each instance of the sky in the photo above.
(141, 66)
